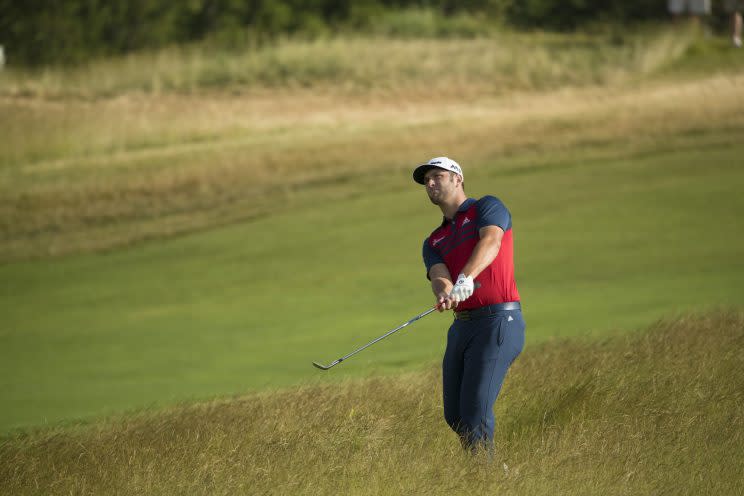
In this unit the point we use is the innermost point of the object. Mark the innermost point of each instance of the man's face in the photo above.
(440, 185)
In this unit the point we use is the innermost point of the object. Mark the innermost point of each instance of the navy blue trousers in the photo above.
(478, 355)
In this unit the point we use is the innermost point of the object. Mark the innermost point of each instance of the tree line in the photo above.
(37, 32)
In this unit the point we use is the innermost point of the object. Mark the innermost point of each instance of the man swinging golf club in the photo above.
(474, 243)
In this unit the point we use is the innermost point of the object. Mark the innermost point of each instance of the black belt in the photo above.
(479, 313)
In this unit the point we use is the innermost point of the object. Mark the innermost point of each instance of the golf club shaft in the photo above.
(414, 319)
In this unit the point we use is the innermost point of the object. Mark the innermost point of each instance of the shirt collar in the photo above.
(462, 208)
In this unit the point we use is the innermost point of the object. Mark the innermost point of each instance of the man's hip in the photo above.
(487, 311)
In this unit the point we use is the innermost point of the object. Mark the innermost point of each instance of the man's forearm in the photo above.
(441, 285)
(484, 253)
(441, 280)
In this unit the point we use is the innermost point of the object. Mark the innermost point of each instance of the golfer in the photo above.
(474, 243)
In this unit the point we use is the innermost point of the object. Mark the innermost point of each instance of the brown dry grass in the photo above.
(157, 144)
(99, 174)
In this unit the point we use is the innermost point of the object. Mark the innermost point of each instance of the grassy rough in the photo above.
(360, 64)
(186, 139)
(658, 412)
(85, 177)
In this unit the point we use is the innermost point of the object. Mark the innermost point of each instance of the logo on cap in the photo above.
(440, 162)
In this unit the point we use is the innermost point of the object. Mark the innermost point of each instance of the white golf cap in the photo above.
(439, 163)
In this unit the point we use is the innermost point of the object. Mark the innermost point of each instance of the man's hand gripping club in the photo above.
(461, 291)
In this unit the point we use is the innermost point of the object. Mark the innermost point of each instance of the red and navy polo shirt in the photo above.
(453, 242)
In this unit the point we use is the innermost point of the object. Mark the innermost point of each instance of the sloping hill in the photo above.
(650, 413)
(610, 190)
(93, 158)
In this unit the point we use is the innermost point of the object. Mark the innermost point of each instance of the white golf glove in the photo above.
(463, 288)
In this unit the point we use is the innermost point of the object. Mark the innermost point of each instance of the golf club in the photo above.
(414, 319)
(336, 362)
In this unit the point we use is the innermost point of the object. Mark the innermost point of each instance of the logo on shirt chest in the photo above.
(466, 221)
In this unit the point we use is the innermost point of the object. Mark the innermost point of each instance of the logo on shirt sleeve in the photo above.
(435, 242)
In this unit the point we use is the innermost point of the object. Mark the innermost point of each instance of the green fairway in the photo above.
(606, 238)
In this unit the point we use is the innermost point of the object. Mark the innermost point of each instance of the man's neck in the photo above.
(449, 209)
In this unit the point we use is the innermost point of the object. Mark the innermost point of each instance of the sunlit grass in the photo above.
(608, 160)
(601, 224)
(94, 175)
(654, 413)
(155, 144)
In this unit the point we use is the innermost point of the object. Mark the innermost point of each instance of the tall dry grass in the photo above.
(497, 63)
(658, 412)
